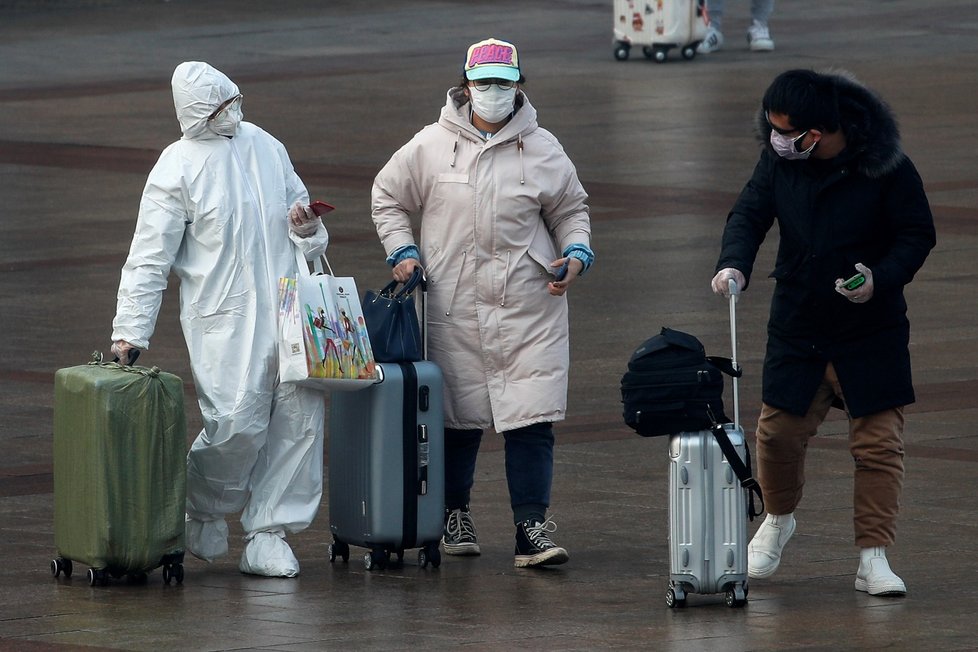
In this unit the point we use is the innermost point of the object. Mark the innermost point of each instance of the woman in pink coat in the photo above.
(504, 232)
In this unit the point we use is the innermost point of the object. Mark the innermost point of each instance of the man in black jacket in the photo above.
(849, 203)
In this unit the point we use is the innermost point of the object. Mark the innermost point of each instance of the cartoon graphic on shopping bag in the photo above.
(323, 323)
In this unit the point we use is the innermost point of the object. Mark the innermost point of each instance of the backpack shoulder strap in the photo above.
(741, 469)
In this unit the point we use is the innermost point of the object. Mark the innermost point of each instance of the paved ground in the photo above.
(85, 109)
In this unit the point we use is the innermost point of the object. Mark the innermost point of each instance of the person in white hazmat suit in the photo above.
(223, 208)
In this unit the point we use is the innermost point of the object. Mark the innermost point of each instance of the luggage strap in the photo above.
(741, 469)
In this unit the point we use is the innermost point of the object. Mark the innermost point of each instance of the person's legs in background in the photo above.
(713, 40)
(758, 34)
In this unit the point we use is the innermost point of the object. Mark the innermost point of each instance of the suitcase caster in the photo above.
(675, 598)
(97, 577)
(621, 50)
(338, 549)
(735, 596)
(173, 572)
(429, 554)
(61, 565)
(656, 53)
(375, 559)
(689, 52)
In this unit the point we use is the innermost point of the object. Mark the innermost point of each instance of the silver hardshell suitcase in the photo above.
(708, 508)
(387, 466)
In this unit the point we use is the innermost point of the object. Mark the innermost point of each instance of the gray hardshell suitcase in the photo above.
(387, 466)
(708, 507)
(707, 519)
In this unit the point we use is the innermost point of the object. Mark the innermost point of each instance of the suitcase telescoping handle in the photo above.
(734, 293)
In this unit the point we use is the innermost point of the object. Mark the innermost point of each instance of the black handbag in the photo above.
(392, 321)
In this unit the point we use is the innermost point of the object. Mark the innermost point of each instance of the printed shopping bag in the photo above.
(324, 342)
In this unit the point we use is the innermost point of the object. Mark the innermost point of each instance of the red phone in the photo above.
(320, 208)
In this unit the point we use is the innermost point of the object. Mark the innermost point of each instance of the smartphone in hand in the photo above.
(320, 208)
(562, 272)
(854, 282)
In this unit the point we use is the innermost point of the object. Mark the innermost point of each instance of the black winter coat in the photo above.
(865, 206)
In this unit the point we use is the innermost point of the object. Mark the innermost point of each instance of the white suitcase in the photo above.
(709, 506)
(659, 26)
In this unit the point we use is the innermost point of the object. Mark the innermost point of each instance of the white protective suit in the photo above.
(494, 214)
(214, 210)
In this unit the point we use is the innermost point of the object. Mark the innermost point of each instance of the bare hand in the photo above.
(574, 267)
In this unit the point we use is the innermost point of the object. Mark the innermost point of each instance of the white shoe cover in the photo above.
(267, 553)
(207, 540)
(874, 575)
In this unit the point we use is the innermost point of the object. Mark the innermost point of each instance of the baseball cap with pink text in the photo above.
(492, 59)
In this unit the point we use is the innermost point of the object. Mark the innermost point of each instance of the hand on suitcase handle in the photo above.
(721, 282)
(124, 352)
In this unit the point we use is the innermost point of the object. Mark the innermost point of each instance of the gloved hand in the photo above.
(721, 282)
(121, 349)
(861, 294)
(302, 220)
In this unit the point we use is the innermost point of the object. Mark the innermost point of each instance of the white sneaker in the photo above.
(207, 540)
(267, 553)
(874, 575)
(759, 37)
(712, 42)
(764, 550)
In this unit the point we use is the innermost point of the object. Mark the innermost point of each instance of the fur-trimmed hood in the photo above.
(872, 134)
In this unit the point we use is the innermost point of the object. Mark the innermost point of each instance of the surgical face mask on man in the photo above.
(784, 146)
(225, 121)
(493, 104)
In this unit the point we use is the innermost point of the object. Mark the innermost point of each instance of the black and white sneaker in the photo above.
(534, 547)
(459, 536)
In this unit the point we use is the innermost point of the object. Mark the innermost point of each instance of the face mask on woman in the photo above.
(493, 104)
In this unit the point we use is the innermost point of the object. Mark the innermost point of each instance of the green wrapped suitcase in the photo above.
(120, 472)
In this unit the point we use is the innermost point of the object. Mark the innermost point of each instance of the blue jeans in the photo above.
(529, 468)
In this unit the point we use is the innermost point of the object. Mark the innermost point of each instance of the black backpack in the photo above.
(672, 386)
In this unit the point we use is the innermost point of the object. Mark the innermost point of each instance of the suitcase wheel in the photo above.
(338, 549)
(656, 53)
(172, 572)
(735, 596)
(674, 601)
(376, 558)
(430, 554)
(97, 577)
(61, 565)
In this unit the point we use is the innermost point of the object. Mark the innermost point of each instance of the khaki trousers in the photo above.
(876, 445)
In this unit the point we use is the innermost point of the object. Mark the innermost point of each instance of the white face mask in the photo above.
(226, 122)
(493, 104)
(785, 146)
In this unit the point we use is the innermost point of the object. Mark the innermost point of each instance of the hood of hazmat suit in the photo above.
(214, 212)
